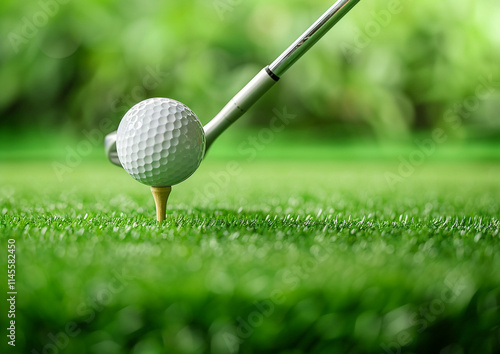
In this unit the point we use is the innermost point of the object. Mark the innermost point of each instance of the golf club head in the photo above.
(110, 148)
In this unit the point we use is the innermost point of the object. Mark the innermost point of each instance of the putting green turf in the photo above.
(289, 256)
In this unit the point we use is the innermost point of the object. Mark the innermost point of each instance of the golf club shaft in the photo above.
(266, 78)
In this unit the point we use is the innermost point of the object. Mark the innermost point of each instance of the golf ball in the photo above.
(160, 142)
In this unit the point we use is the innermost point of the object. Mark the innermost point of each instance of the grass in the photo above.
(291, 256)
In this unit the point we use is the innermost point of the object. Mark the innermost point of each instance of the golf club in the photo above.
(262, 82)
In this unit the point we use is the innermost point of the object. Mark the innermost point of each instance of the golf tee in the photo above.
(160, 194)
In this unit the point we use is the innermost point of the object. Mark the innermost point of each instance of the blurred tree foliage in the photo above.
(387, 69)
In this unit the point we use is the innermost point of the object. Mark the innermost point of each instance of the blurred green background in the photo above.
(386, 71)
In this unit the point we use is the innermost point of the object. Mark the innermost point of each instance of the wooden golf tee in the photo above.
(161, 197)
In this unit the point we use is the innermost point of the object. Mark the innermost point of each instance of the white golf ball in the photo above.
(160, 142)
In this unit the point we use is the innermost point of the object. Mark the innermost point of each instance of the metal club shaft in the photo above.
(311, 36)
(266, 78)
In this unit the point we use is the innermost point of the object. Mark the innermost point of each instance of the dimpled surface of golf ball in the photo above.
(160, 142)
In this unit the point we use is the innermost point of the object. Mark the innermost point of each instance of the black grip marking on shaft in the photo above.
(271, 74)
